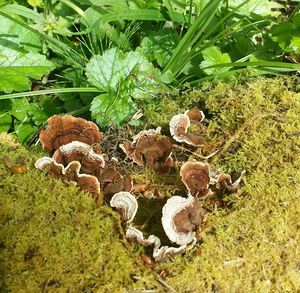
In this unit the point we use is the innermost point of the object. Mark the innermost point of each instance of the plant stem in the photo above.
(51, 91)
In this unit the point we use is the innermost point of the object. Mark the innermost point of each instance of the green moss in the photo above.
(55, 238)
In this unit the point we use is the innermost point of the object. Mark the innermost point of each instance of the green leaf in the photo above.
(213, 56)
(15, 36)
(108, 110)
(19, 62)
(19, 108)
(259, 7)
(24, 128)
(128, 74)
(5, 121)
(159, 45)
(295, 44)
(17, 67)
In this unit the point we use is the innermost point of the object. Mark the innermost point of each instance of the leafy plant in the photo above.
(107, 58)
(124, 78)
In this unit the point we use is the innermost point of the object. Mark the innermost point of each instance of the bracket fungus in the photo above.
(181, 217)
(92, 162)
(196, 178)
(70, 173)
(150, 148)
(64, 129)
(159, 252)
(180, 123)
(126, 203)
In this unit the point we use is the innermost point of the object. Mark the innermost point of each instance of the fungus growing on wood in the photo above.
(65, 129)
(70, 173)
(223, 181)
(180, 124)
(150, 148)
(181, 217)
(126, 204)
(196, 178)
(92, 162)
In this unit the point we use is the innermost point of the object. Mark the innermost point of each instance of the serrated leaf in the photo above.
(107, 110)
(213, 56)
(128, 74)
(159, 45)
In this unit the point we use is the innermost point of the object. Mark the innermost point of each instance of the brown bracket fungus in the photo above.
(64, 129)
(196, 178)
(70, 173)
(180, 123)
(159, 252)
(223, 181)
(150, 148)
(181, 217)
(126, 203)
(91, 161)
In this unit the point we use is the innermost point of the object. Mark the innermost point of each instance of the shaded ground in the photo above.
(54, 238)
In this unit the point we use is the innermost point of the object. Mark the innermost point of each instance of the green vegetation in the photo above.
(55, 238)
(105, 59)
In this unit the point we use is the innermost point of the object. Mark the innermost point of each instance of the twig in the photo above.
(164, 284)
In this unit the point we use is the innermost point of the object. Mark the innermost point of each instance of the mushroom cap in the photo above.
(179, 125)
(195, 115)
(91, 161)
(126, 203)
(179, 231)
(70, 173)
(195, 176)
(150, 148)
(64, 129)
(123, 184)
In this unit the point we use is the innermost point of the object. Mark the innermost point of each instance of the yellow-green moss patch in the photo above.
(56, 239)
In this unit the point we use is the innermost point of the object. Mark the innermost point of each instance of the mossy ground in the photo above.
(55, 238)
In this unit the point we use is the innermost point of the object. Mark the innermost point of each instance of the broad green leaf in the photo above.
(158, 46)
(213, 56)
(24, 129)
(19, 108)
(16, 68)
(126, 74)
(287, 34)
(5, 121)
(35, 3)
(38, 115)
(295, 44)
(106, 72)
(15, 36)
(108, 110)
(19, 59)
(259, 7)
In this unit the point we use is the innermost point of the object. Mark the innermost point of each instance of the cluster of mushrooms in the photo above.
(77, 159)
